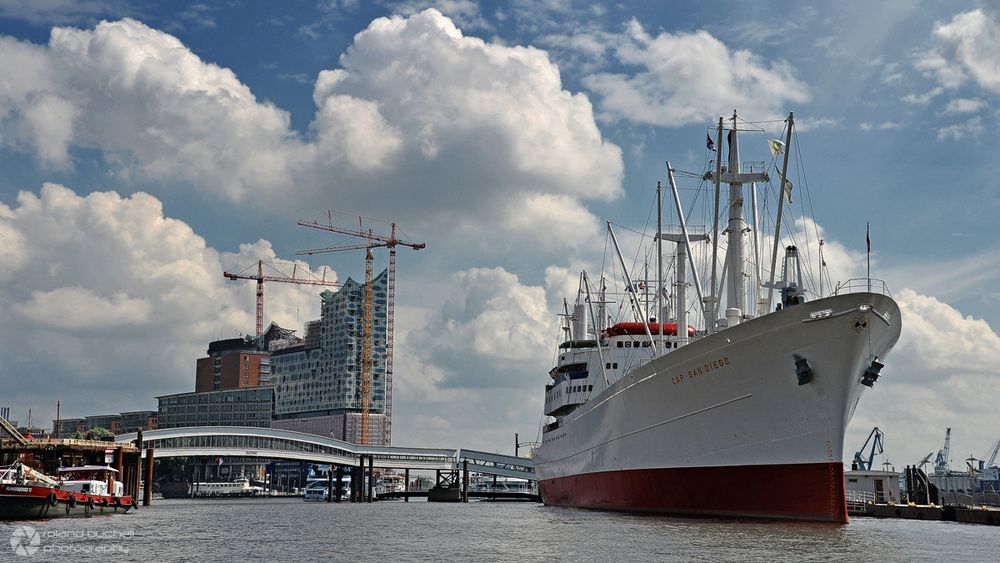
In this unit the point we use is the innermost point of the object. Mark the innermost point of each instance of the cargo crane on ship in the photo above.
(372, 240)
(277, 276)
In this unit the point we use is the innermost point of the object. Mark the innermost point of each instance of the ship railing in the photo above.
(862, 285)
(857, 500)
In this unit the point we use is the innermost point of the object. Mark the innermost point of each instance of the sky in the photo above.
(146, 147)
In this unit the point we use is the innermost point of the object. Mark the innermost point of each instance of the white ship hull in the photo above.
(722, 426)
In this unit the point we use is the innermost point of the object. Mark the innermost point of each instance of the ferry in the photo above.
(239, 487)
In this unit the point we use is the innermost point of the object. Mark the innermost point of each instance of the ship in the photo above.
(27, 494)
(743, 417)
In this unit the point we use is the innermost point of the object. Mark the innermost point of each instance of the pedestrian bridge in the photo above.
(273, 443)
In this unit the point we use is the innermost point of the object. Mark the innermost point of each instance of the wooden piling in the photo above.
(371, 477)
(358, 484)
(147, 491)
(340, 483)
(329, 484)
(406, 485)
(465, 480)
(119, 455)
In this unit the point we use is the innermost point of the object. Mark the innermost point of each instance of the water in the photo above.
(290, 530)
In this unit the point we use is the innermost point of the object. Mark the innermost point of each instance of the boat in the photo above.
(742, 417)
(319, 491)
(239, 487)
(27, 494)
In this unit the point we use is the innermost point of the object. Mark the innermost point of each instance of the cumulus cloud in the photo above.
(419, 121)
(482, 356)
(105, 293)
(973, 39)
(943, 365)
(685, 78)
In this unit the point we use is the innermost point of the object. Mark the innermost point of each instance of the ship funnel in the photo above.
(580, 321)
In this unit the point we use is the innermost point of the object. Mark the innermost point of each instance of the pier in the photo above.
(452, 466)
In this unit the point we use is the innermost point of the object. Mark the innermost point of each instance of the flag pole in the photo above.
(868, 245)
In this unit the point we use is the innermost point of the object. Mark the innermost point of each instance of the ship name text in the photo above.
(701, 370)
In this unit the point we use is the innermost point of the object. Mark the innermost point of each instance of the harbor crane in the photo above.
(991, 459)
(373, 240)
(943, 455)
(276, 276)
(866, 463)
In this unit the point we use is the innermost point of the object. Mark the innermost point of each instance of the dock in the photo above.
(989, 516)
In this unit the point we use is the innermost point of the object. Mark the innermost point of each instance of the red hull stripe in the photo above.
(811, 491)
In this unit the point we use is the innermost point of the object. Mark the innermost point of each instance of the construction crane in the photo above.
(278, 276)
(373, 240)
(943, 455)
(991, 459)
(865, 463)
(367, 329)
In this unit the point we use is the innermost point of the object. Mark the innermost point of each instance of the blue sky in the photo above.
(183, 138)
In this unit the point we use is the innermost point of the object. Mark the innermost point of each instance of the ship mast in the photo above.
(781, 207)
(733, 267)
(736, 228)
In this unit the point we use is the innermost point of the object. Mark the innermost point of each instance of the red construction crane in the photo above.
(279, 277)
(373, 240)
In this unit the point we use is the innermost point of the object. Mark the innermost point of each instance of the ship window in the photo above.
(590, 388)
(628, 344)
(645, 344)
(615, 365)
(607, 365)
(620, 343)
(852, 480)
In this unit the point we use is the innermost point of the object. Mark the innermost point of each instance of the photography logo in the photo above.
(24, 540)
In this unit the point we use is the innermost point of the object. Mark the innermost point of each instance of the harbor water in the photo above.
(293, 530)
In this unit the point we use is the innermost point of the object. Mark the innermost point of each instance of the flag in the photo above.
(868, 237)
(788, 190)
(777, 147)
(709, 143)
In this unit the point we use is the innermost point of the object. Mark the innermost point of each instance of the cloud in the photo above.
(974, 41)
(942, 366)
(684, 78)
(419, 122)
(105, 293)
(964, 105)
(972, 127)
(480, 358)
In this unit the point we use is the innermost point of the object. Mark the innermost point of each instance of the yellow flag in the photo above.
(777, 147)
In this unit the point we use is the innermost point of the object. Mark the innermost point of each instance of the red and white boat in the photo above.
(26, 494)
(745, 418)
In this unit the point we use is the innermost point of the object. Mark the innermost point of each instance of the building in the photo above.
(253, 406)
(884, 485)
(233, 363)
(110, 422)
(66, 427)
(138, 420)
(318, 381)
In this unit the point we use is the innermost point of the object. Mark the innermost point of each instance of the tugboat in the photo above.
(81, 485)
(26, 494)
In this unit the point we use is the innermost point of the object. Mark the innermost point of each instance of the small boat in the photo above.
(239, 487)
(27, 494)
